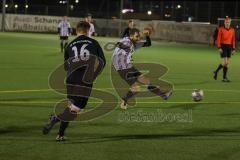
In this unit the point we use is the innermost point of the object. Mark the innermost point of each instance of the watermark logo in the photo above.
(77, 82)
(159, 116)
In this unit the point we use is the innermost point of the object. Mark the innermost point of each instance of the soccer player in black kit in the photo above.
(126, 31)
(80, 57)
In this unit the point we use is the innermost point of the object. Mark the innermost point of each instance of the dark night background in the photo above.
(201, 11)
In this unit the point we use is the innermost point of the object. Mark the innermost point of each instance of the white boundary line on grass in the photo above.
(47, 90)
(140, 102)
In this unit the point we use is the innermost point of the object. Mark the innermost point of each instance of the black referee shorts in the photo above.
(227, 50)
(130, 75)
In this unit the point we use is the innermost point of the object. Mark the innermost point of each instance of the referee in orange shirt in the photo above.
(226, 44)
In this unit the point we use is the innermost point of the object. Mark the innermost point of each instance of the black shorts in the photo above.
(79, 102)
(63, 37)
(227, 50)
(130, 75)
(73, 94)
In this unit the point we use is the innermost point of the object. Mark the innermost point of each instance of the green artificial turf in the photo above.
(210, 132)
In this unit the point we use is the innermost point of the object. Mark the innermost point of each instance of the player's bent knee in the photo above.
(74, 108)
(226, 64)
(135, 88)
(144, 80)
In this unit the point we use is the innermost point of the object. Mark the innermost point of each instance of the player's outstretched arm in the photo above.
(148, 42)
(147, 34)
(145, 43)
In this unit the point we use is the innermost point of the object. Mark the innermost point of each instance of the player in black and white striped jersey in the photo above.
(122, 62)
(64, 30)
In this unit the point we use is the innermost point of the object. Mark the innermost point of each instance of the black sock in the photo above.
(129, 95)
(65, 45)
(67, 115)
(155, 90)
(225, 69)
(61, 45)
(62, 128)
(220, 66)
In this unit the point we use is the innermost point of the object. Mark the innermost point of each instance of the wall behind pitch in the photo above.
(0, 21)
(163, 30)
(38, 23)
(183, 32)
(33, 23)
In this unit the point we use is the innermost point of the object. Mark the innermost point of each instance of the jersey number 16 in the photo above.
(84, 53)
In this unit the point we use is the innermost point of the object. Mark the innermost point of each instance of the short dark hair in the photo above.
(227, 18)
(132, 31)
(82, 26)
(130, 21)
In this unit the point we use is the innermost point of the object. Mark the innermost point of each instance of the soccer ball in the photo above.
(197, 95)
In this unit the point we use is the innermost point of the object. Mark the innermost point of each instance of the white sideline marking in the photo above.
(140, 102)
(47, 90)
